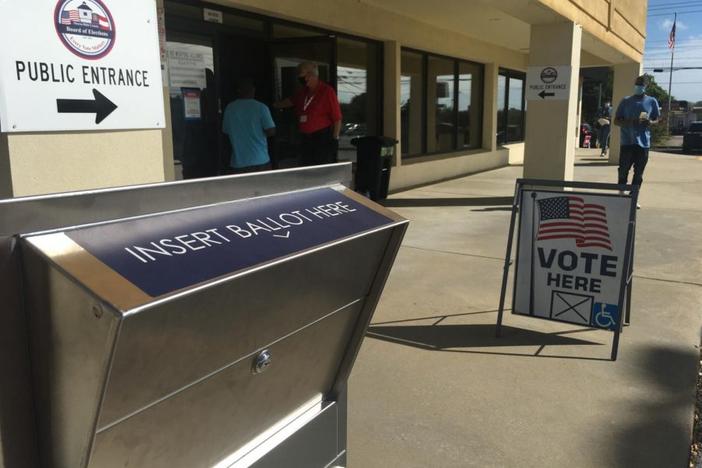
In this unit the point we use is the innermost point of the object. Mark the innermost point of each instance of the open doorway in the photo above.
(193, 103)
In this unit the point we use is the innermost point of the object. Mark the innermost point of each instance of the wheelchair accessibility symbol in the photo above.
(605, 315)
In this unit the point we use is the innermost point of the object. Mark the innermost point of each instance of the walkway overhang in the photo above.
(613, 30)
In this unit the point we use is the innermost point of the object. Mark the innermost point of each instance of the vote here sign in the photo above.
(570, 257)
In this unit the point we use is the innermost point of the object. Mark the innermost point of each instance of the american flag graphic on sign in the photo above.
(101, 21)
(70, 17)
(571, 218)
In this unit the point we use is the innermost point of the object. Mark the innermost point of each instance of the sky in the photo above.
(687, 84)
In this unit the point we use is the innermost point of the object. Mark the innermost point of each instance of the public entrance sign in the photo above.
(574, 253)
(548, 83)
(79, 65)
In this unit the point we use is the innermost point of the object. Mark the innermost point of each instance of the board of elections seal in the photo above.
(86, 27)
(549, 75)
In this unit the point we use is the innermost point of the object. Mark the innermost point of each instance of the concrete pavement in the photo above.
(433, 388)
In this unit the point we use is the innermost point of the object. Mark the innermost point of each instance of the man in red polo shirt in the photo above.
(318, 116)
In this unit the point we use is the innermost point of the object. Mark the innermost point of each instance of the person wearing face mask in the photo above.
(634, 117)
(318, 115)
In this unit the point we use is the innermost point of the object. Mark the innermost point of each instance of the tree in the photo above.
(659, 132)
(355, 111)
(655, 90)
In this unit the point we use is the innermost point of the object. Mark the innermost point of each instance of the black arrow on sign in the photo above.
(544, 94)
(100, 106)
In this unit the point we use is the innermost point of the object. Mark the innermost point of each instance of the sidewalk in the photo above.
(433, 388)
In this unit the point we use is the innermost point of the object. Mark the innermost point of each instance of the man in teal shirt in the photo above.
(248, 123)
(634, 116)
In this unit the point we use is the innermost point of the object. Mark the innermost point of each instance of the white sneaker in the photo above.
(638, 207)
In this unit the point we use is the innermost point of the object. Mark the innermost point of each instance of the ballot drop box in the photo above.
(211, 323)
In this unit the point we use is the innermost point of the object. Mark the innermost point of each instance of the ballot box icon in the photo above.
(572, 308)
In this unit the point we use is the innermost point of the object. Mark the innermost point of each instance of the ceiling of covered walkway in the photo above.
(505, 23)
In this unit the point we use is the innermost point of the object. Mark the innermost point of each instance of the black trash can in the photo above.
(373, 162)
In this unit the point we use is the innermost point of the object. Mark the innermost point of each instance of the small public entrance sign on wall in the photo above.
(79, 65)
(548, 83)
(574, 253)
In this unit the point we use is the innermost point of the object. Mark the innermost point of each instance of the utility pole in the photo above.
(670, 78)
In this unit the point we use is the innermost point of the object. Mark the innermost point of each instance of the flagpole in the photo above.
(533, 246)
(670, 79)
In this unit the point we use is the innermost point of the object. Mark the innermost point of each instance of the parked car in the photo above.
(692, 139)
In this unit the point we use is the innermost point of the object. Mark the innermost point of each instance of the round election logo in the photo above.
(549, 75)
(85, 27)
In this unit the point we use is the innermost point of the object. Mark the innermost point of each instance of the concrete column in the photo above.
(549, 151)
(625, 75)
(391, 96)
(490, 107)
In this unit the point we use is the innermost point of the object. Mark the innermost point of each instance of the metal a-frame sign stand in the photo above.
(624, 299)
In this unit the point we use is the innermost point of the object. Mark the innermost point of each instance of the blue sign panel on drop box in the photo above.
(164, 253)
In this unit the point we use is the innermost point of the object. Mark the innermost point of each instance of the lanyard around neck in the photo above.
(308, 101)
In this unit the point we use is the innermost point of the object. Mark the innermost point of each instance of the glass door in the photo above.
(193, 102)
(239, 57)
(285, 55)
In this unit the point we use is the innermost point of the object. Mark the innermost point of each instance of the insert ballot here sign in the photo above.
(165, 253)
(79, 65)
(571, 257)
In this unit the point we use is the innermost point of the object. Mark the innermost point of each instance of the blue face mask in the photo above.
(639, 90)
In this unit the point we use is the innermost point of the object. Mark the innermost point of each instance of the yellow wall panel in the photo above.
(60, 162)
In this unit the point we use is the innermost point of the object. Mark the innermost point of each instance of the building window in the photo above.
(511, 109)
(441, 96)
(358, 72)
(440, 104)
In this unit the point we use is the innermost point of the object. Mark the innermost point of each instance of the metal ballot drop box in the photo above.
(209, 323)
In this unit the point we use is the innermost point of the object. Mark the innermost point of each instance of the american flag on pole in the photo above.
(571, 218)
(671, 37)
